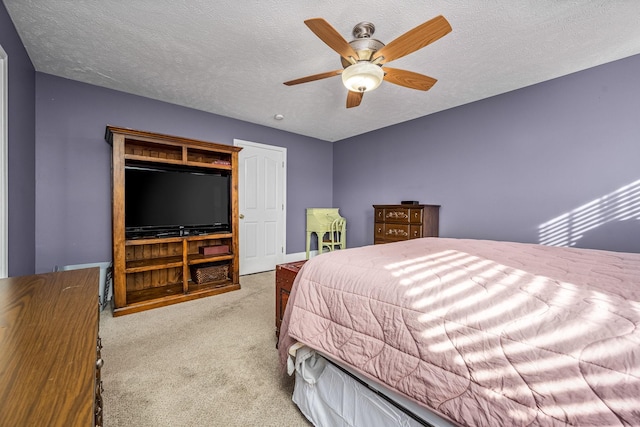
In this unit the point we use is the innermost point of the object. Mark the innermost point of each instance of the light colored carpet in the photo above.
(208, 362)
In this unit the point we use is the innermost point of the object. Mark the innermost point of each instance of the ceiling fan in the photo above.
(363, 58)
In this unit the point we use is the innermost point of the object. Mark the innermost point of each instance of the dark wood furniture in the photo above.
(285, 275)
(403, 222)
(50, 350)
(155, 272)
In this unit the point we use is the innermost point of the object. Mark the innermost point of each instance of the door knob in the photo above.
(241, 216)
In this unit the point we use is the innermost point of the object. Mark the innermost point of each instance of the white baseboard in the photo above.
(287, 258)
(298, 256)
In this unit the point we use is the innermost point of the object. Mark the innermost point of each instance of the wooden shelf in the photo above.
(139, 265)
(152, 151)
(211, 236)
(194, 238)
(147, 294)
(209, 165)
(158, 160)
(152, 241)
(154, 272)
(150, 301)
(200, 259)
(208, 286)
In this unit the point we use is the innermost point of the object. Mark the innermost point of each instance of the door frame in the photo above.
(243, 143)
(4, 170)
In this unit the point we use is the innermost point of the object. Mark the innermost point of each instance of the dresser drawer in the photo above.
(395, 232)
(378, 233)
(396, 215)
(416, 216)
(415, 231)
(400, 215)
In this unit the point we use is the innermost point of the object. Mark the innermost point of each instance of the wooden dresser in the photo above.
(285, 275)
(403, 222)
(50, 350)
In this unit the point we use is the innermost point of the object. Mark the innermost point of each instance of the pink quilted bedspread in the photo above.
(485, 333)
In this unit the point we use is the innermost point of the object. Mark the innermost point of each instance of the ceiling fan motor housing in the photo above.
(365, 48)
(363, 44)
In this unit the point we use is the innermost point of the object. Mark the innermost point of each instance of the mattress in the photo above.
(483, 333)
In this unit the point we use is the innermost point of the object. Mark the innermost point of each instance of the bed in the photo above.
(477, 333)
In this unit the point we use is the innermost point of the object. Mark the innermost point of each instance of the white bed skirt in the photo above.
(330, 397)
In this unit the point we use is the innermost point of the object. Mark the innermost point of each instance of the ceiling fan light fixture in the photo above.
(362, 76)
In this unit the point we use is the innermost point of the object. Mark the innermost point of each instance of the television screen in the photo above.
(168, 201)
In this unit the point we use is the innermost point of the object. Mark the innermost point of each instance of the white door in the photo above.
(261, 196)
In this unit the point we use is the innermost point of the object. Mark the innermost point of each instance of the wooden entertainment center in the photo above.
(152, 272)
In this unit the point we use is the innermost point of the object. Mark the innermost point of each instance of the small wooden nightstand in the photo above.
(285, 275)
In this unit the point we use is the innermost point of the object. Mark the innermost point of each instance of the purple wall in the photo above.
(502, 167)
(21, 150)
(73, 195)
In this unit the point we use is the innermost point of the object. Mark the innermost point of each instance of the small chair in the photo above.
(336, 238)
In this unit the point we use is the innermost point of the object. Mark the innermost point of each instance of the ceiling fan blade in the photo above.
(414, 39)
(331, 37)
(314, 77)
(354, 99)
(408, 79)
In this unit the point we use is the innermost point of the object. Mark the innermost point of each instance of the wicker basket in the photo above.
(204, 273)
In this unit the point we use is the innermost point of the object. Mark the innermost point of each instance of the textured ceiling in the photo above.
(230, 57)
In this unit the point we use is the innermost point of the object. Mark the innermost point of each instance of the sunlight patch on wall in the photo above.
(565, 230)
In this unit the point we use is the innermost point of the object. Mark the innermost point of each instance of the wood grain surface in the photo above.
(48, 335)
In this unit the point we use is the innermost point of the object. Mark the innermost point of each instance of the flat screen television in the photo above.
(175, 202)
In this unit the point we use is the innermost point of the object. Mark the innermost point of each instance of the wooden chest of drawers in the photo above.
(403, 222)
(285, 275)
(50, 350)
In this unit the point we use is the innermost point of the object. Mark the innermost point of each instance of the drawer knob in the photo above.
(99, 363)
